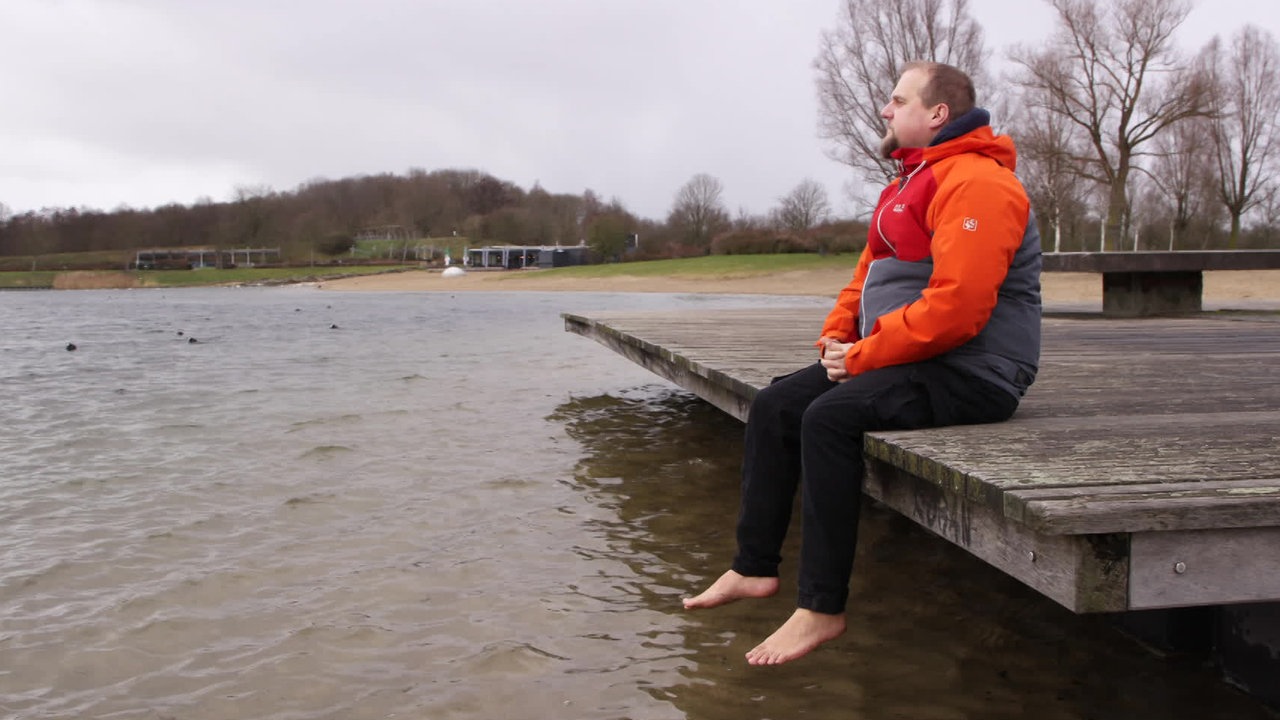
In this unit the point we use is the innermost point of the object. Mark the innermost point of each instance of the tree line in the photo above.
(325, 217)
(1125, 142)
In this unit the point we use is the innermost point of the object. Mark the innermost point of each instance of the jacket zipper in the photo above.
(902, 187)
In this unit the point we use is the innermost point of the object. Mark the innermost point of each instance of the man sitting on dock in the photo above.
(940, 325)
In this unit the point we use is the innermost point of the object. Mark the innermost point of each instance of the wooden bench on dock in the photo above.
(1140, 471)
(1157, 283)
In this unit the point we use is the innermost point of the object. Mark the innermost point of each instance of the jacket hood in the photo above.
(969, 133)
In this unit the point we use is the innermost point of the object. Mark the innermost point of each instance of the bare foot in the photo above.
(804, 631)
(732, 586)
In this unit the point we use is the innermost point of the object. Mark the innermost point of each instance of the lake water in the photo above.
(438, 505)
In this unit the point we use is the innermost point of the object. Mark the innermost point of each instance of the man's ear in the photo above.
(940, 117)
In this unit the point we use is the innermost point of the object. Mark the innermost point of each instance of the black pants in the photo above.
(805, 426)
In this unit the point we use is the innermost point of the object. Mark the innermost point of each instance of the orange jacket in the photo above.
(942, 240)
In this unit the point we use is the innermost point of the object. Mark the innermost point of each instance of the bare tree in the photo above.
(698, 210)
(426, 203)
(1183, 153)
(805, 206)
(744, 220)
(592, 205)
(859, 61)
(8, 234)
(555, 216)
(1268, 229)
(1146, 211)
(1047, 147)
(1246, 136)
(252, 207)
(1111, 69)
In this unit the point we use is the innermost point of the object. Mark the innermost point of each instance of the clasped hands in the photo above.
(833, 358)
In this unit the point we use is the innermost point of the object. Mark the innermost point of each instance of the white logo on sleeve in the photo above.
(971, 224)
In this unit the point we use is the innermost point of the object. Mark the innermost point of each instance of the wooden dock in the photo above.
(1140, 471)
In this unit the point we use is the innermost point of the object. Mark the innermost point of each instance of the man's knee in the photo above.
(786, 398)
(768, 403)
(843, 413)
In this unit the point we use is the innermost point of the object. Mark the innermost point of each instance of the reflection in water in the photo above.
(933, 632)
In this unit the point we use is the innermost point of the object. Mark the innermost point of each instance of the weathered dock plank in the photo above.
(1139, 440)
(723, 356)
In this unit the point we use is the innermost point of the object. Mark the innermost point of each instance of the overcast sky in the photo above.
(147, 102)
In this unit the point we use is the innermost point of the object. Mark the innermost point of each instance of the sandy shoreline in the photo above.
(1248, 289)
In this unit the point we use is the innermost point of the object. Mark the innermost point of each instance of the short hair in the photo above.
(947, 85)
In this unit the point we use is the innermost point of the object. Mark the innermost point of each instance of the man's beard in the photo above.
(888, 144)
